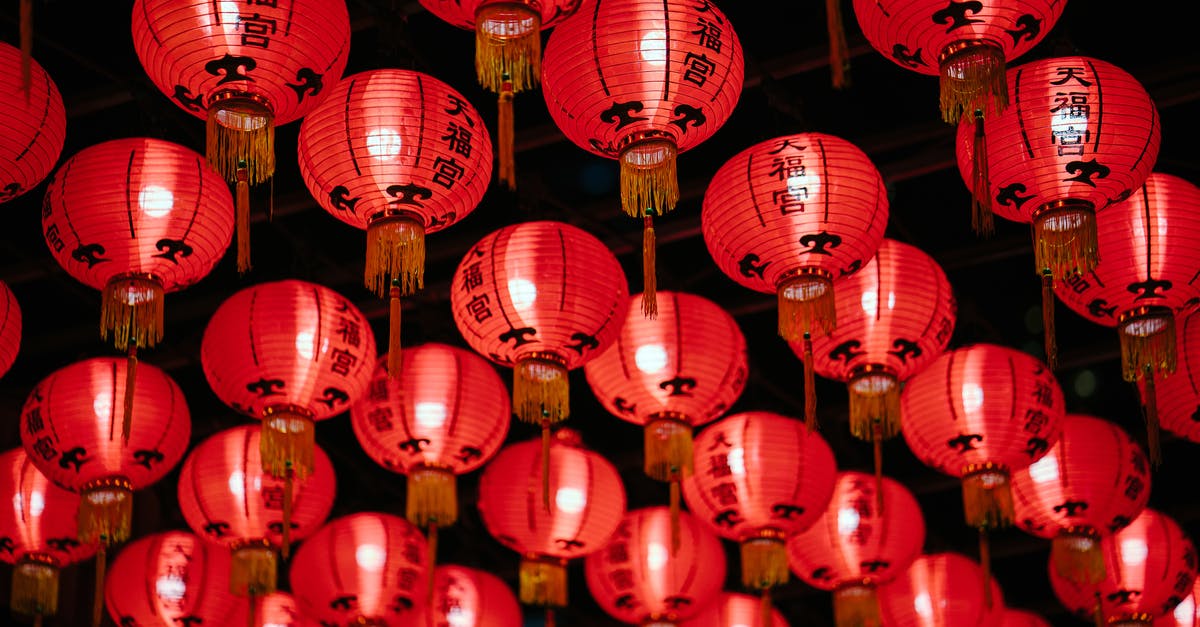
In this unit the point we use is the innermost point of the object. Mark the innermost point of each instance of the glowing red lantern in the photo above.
(1021, 618)
(227, 498)
(1177, 397)
(35, 125)
(10, 328)
(472, 597)
(278, 609)
(1145, 277)
(1094, 481)
(245, 69)
(766, 478)
(1186, 614)
(589, 501)
(37, 534)
(362, 569)
(638, 579)
(288, 353)
(786, 250)
(941, 589)
(1150, 566)
(733, 609)
(864, 538)
(641, 81)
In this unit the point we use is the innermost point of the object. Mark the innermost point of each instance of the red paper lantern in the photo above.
(37, 534)
(638, 579)
(863, 539)
(542, 298)
(1021, 618)
(10, 328)
(227, 498)
(363, 569)
(641, 81)
(941, 589)
(1186, 614)
(279, 609)
(759, 233)
(765, 478)
(589, 501)
(894, 317)
(965, 44)
(447, 415)
(1151, 568)
(1094, 481)
(34, 123)
(288, 353)
(733, 609)
(245, 68)
(469, 597)
(1177, 397)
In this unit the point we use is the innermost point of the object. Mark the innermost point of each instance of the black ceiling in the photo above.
(887, 111)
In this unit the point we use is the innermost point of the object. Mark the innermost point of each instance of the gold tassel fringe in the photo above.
(985, 565)
(1150, 408)
(649, 270)
(286, 443)
(35, 585)
(131, 309)
(242, 221)
(673, 507)
(105, 511)
(395, 250)
(540, 390)
(764, 561)
(508, 46)
(1049, 334)
(1065, 240)
(1147, 342)
(506, 161)
(982, 220)
(839, 53)
(987, 497)
(668, 449)
(98, 592)
(649, 183)
(131, 362)
(253, 571)
(241, 135)
(26, 35)
(394, 364)
(856, 606)
(432, 497)
(810, 385)
(874, 405)
(806, 304)
(972, 78)
(543, 582)
(1077, 556)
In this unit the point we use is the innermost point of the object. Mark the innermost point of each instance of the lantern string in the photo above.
(985, 561)
(1151, 415)
(764, 608)
(546, 465)
(242, 215)
(37, 620)
(507, 169)
(674, 507)
(286, 530)
(1048, 329)
(839, 53)
(26, 47)
(98, 599)
(810, 385)
(393, 358)
(131, 363)
(649, 269)
(982, 219)
(252, 610)
(877, 445)
(549, 617)
(431, 539)
(1099, 616)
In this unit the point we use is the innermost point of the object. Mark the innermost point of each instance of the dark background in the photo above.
(889, 112)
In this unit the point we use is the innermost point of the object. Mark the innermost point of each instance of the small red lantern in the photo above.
(288, 353)
(35, 125)
(637, 579)
(1145, 278)
(941, 589)
(862, 540)
(10, 328)
(246, 68)
(37, 534)
(779, 247)
(1021, 618)
(227, 498)
(1151, 568)
(471, 597)
(766, 478)
(361, 569)
(1186, 614)
(1093, 482)
(641, 81)
(733, 609)
(1177, 397)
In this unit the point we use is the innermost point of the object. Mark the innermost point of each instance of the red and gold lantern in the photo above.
(733, 609)
(10, 328)
(470, 597)
(35, 124)
(940, 590)
(1177, 397)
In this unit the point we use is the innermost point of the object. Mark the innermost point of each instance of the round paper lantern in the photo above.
(641, 81)
(1177, 397)
(10, 328)
(278, 609)
(670, 374)
(471, 598)
(1150, 566)
(1021, 618)
(863, 539)
(362, 569)
(34, 123)
(966, 44)
(542, 298)
(589, 501)
(1185, 614)
(759, 233)
(941, 589)
(227, 498)
(37, 534)
(245, 68)
(172, 578)
(447, 415)
(733, 609)
(639, 579)
(1093, 482)
(288, 353)
(763, 478)
(894, 317)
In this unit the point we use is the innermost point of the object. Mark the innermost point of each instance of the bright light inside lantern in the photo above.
(383, 144)
(237, 483)
(650, 358)
(797, 186)
(460, 617)
(737, 461)
(870, 303)
(570, 500)
(304, 344)
(1133, 551)
(656, 556)
(156, 201)
(522, 292)
(847, 521)
(1044, 469)
(370, 557)
(923, 605)
(430, 415)
(1185, 611)
(653, 47)
(972, 397)
(102, 406)
(170, 587)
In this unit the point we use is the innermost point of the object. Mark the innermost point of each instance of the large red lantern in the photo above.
(1093, 482)
(1186, 614)
(764, 478)
(227, 498)
(588, 503)
(1147, 275)
(864, 538)
(638, 579)
(362, 569)
(761, 235)
(1150, 566)
(641, 81)
(10, 328)
(37, 534)
(35, 125)
(1177, 397)
(941, 589)
(733, 609)
(1021, 618)
(469, 597)
(245, 68)
(288, 353)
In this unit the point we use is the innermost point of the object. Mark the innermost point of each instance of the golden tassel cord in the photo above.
(286, 443)
(874, 405)
(432, 497)
(810, 385)
(856, 606)
(985, 565)
(649, 270)
(877, 451)
(98, 593)
(673, 503)
(1099, 612)
(543, 582)
(972, 79)
(35, 585)
(764, 561)
(240, 135)
(1049, 333)
(26, 35)
(839, 53)
(1147, 342)
(764, 608)
(546, 466)
(987, 497)
(508, 47)
(252, 612)
(667, 443)
(649, 183)
(550, 622)
(1065, 240)
(540, 390)
(131, 362)
(431, 541)
(242, 219)
(1153, 442)
(806, 304)
(253, 570)
(105, 511)
(393, 356)
(1077, 556)
(506, 161)
(286, 528)
(395, 252)
(131, 310)
(982, 220)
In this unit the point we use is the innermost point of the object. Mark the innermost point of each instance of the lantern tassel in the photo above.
(432, 497)
(252, 612)
(393, 358)
(26, 46)
(286, 531)
(540, 390)
(839, 53)
(543, 582)
(764, 562)
(985, 563)
(764, 608)
(874, 405)
(253, 570)
(131, 311)
(240, 134)
(508, 46)
(1147, 343)
(35, 585)
(1151, 413)
(806, 304)
(668, 449)
(1048, 331)
(431, 540)
(395, 249)
(649, 270)
(972, 78)
(105, 511)
(987, 498)
(1065, 239)
(877, 446)
(98, 594)
(131, 362)
(810, 385)
(856, 606)
(546, 465)
(1099, 615)
(649, 183)
(286, 443)
(674, 507)
(982, 220)
(242, 220)
(1077, 556)
(507, 167)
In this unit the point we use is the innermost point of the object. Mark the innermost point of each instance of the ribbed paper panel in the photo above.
(288, 343)
(41, 517)
(32, 130)
(469, 594)
(940, 590)
(10, 328)
(732, 609)
(461, 13)
(759, 470)
(287, 53)
(636, 578)
(690, 360)
(449, 409)
(71, 424)
(1179, 394)
(854, 540)
(278, 608)
(982, 403)
(808, 200)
